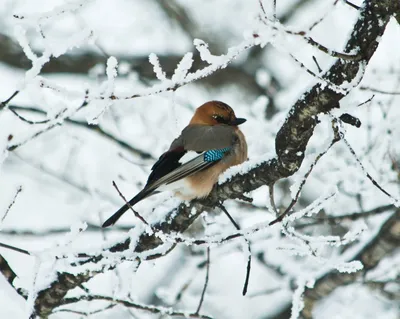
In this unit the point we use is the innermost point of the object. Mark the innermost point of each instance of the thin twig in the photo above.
(332, 53)
(355, 216)
(151, 309)
(351, 4)
(311, 41)
(367, 101)
(129, 205)
(274, 10)
(4, 103)
(96, 128)
(262, 8)
(205, 282)
(367, 88)
(294, 200)
(85, 313)
(93, 228)
(7, 271)
(248, 268)
(316, 63)
(330, 84)
(23, 251)
(322, 18)
(272, 198)
(366, 173)
(19, 189)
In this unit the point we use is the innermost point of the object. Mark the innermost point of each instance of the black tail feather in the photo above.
(117, 215)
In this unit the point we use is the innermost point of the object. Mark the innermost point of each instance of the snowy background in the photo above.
(70, 140)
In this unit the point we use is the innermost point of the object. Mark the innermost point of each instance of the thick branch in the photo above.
(6, 270)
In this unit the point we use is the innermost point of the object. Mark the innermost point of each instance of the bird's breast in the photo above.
(200, 184)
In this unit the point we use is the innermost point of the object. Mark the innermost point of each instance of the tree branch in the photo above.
(383, 244)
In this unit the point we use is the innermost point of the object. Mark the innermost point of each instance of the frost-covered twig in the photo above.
(92, 228)
(384, 243)
(86, 313)
(314, 163)
(396, 201)
(94, 128)
(129, 304)
(275, 25)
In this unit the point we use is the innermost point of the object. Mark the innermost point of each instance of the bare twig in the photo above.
(274, 10)
(316, 63)
(248, 268)
(19, 189)
(355, 216)
(37, 122)
(322, 18)
(272, 198)
(367, 88)
(4, 103)
(129, 205)
(86, 313)
(23, 251)
(205, 282)
(351, 4)
(367, 101)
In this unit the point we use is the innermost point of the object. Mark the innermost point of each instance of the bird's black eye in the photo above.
(220, 119)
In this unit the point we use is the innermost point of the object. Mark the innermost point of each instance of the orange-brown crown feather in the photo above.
(211, 113)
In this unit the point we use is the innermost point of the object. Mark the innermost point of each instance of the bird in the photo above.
(210, 144)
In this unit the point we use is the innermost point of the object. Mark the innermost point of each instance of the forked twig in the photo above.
(294, 200)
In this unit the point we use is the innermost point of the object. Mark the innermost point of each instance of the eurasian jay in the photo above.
(216, 141)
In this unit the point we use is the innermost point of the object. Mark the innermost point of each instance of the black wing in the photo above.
(167, 162)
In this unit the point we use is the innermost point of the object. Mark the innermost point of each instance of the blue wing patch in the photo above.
(215, 155)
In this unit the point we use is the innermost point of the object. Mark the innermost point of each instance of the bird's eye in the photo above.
(219, 119)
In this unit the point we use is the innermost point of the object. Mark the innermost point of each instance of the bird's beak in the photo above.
(238, 121)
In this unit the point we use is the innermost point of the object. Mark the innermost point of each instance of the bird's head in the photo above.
(215, 113)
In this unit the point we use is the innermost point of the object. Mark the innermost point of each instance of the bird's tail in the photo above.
(114, 218)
